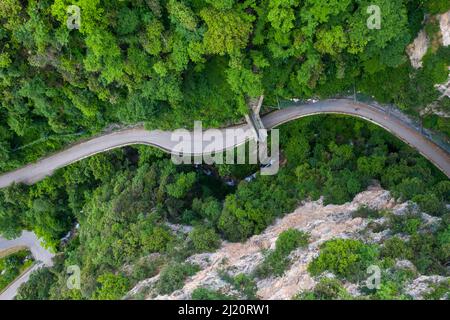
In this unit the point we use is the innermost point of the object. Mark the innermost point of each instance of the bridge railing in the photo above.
(389, 109)
(393, 111)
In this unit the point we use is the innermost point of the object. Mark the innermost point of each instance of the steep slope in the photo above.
(321, 222)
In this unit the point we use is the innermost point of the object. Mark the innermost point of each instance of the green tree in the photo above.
(38, 286)
(183, 184)
(112, 287)
(204, 239)
(228, 31)
(346, 258)
(172, 277)
(207, 294)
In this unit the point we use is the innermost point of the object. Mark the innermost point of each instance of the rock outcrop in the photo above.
(417, 50)
(321, 222)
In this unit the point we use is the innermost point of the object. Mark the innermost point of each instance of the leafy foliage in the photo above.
(276, 261)
(151, 61)
(37, 287)
(207, 294)
(112, 287)
(346, 258)
(173, 276)
(325, 289)
(12, 266)
(204, 239)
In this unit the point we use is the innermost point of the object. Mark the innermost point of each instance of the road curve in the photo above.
(29, 240)
(163, 140)
(42, 256)
(12, 290)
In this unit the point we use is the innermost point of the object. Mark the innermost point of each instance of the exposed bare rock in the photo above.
(417, 50)
(430, 222)
(423, 285)
(322, 222)
(406, 265)
(444, 22)
(142, 287)
(179, 229)
(420, 45)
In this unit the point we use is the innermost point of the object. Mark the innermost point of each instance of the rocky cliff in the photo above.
(321, 222)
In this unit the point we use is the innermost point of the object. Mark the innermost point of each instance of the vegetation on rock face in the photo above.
(326, 289)
(400, 262)
(134, 61)
(207, 294)
(439, 291)
(346, 258)
(122, 203)
(336, 158)
(204, 239)
(173, 276)
(38, 286)
(112, 287)
(167, 63)
(276, 261)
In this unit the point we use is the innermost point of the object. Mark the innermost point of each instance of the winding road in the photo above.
(42, 256)
(163, 140)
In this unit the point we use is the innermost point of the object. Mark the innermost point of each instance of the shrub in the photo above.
(246, 285)
(437, 6)
(112, 287)
(376, 227)
(396, 248)
(243, 283)
(439, 291)
(290, 240)
(389, 290)
(443, 241)
(392, 283)
(411, 226)
(408, 188)
(326, 289)
(38, 286)
(276, 261)
(158, 239)
(346, 258)
(172, 277)
(427, 258)
(430, 204)
(204, 239)
(366, 212)
(182, 185)
(12, 266)
(208, 294)
(408, 223)
(274, 264)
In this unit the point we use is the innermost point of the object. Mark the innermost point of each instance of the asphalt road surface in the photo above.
(167, 141)
(42, 256)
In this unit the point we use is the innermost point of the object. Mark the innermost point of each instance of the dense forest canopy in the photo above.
(126, 201)
(167, 63)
